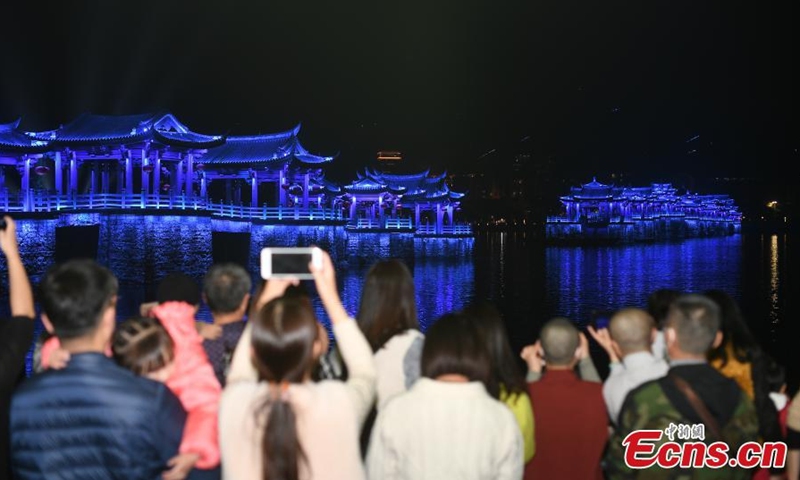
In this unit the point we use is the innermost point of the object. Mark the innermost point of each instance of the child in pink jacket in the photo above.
(179, 360)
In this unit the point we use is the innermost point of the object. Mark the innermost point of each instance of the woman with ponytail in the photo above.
(275, 422)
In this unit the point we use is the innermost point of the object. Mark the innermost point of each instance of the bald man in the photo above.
(628, 342)
(569, 413)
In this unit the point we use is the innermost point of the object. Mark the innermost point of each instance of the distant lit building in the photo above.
(420, 201)
(596, 211)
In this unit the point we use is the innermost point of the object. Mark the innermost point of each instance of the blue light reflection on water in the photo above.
(581, 279)
(441, 287)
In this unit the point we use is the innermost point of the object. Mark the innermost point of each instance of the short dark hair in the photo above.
(388, 302)
(696, 320)
(560, 338)
(225, 286)
(75, 294)
(453, 346)
(142, 345)
(178, 287)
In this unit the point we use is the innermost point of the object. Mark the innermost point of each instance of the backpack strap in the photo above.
(697, 404)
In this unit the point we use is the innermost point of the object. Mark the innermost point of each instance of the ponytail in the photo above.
(281, 449)
(283, 336)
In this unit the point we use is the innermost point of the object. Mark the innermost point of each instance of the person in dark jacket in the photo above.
(91, 419)
(16, 333)
(226, 290)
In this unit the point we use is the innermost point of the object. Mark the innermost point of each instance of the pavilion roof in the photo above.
(265, 150)
(92, 129)
(369, 185)
(420, 187)
(411, 184)
(408, 181)
(14, 140)
(593, 190)
(435, 196)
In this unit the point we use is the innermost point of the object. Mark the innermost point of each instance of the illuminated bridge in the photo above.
(599, 212)
(154, 164)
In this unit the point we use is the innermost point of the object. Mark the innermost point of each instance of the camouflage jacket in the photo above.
(648, 408)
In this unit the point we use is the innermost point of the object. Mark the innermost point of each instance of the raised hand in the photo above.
(8, 237)
(325, 280)
(209, 331)
(603, 338)
(271, 289)
(534, 357)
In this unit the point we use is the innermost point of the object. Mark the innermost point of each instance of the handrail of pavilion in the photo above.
(50, 202)
(455, 229)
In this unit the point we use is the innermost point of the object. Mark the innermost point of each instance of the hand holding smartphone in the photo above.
(289, 262)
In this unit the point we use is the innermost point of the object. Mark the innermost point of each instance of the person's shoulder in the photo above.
(591, 388)
(504, 411)
(515, 399)
(31, 385)
(329, 388)
(407, 400)
(415, 333)
(649, 392)
(234, 329)
(237, 392)
(402, 340)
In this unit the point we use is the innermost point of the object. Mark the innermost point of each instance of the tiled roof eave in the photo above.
(210, 142)
(244, 163)
(17, 148)
(96, 141)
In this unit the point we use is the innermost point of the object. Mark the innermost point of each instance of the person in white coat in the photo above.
(447, 425)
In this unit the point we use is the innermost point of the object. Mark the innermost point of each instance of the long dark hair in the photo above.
(658, 303)
(505, 373)
(734, 330)
(388, 303)
(284, 332)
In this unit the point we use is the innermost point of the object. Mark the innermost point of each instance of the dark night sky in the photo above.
(611, 85)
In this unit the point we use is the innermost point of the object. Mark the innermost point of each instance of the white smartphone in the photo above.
(289, 262)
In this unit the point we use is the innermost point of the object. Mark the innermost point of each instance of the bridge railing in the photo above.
(380, 224)
(455, 229)
(138, 201)
(50, 202)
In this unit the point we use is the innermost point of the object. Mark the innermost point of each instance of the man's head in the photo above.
(178, 287)
(632, 330)
(79, 300)
(560, 340)
(226, 288)
(692, 326)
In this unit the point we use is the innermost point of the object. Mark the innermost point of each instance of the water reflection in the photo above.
(582, 279)
(441, 287)
(774, 281)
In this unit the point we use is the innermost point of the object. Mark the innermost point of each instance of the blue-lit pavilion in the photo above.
(419, 201)
(155, 162)
(278, 159)
(597, 211)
